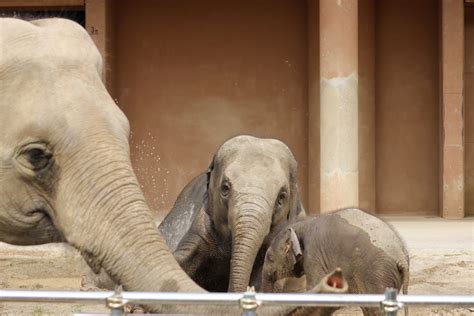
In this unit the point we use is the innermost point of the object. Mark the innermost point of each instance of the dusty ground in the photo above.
(442, 262)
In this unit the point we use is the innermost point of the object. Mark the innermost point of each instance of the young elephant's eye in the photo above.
(281, 199)
(225, 188)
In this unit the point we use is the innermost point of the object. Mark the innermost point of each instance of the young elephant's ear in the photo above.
(297, 211)
(209, 170)
(295, 244)
(296, 253)
(208, 180)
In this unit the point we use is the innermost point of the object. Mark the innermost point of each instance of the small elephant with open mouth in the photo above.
(369, 251)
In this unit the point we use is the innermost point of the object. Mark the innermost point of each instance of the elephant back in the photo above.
(185, 209)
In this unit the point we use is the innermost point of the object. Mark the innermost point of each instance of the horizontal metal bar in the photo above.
(458, 300)
(266, 299)
(306, 299)
(53, 296)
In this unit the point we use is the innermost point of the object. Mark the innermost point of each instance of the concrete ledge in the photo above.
(56, 250)
(435, 233)
(424, 233)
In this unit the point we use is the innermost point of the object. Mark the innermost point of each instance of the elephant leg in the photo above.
(197, 260)
(326, 311)
(371, 311)
(314, 273)
(191, 253)
(294, 285)
(375, 281)
(204, 259)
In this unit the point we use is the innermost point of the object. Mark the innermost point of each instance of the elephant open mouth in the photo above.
(336, 280)
(41, 227)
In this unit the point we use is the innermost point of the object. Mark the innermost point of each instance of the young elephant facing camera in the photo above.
(368, 250)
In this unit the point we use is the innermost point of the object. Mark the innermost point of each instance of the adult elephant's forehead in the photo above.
(46, 42)
(38, 102)
(50, 80)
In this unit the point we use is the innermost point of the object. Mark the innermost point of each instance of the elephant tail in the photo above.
(405, 272)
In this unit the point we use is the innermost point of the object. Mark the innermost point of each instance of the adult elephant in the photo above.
(233, 210)
(65, 170)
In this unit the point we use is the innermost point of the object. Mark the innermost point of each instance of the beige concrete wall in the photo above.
(469, 109)
(313, 205)
(366, 33)
(451, 109)
(407, 116)
(190, 74)
(338, 57)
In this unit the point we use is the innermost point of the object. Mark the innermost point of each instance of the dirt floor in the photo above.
(442, 262)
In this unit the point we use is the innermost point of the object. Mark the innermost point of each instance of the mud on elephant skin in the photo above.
(248, 193)
(370, 252)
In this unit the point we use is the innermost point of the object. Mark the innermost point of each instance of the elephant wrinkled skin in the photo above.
(369, 251)
(250, 193)
(65, 170)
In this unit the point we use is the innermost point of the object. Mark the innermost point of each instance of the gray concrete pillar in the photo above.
(452, 142)
(366, 69)
(313, 108)
(339, 104)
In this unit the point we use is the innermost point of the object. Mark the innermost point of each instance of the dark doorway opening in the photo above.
(76, 15)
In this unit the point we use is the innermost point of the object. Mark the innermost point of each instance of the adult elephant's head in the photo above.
(65, 171)
(252, 191)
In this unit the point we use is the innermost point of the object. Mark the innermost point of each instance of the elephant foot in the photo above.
(88, 285)
(134, 309)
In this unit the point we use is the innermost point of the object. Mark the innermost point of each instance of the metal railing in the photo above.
(249, 301)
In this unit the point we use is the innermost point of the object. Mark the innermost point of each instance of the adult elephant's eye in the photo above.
(36, 157)
(225, 188)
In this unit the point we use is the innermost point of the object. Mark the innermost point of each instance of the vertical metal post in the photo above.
(249, 303)
(390, 305)
(116, 302)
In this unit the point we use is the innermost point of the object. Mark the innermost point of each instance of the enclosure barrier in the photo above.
(249, 301)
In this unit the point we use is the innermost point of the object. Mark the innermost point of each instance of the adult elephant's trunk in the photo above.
(104, 215)
(249, 228)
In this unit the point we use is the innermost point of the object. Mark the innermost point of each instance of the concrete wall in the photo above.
(469, 109)
(366, 33)
(313, 178)
(407, 107)
(190, 74)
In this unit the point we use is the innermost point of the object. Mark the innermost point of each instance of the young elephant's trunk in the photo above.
(250, 227)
